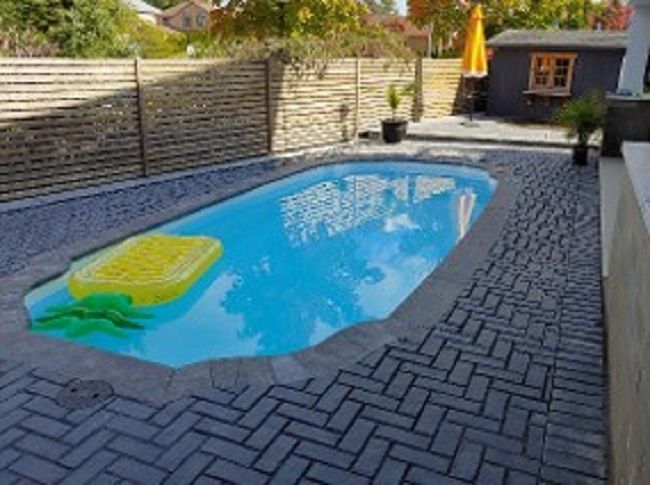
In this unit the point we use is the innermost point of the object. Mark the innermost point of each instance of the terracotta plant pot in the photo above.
(393, 131)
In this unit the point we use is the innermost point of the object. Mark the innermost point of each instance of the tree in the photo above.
(560, 14)
(445, 18)
(448, 17)
(22, 42)
(80, 28)
(268, 18)
(91, 29)
(615, 16)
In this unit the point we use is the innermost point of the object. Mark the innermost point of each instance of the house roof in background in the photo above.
(172, 11)
(141, 6)
(588, 39)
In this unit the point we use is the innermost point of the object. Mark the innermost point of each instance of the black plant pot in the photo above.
(580, 154)
(393, 131)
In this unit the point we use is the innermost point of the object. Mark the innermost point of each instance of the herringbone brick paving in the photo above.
(508, 388)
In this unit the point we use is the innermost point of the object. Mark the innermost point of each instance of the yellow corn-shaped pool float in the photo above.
(152, 269)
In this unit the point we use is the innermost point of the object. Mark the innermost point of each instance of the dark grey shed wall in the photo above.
(509, 68)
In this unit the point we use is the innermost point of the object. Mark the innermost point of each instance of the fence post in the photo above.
(418, 95)
(270, 117)
(142, 128)
(357, 98)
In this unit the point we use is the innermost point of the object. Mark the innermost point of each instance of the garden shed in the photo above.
(532, 72)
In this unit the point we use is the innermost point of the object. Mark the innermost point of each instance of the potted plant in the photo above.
(582, 117)
(393, 130)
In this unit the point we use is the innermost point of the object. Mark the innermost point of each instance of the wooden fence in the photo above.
(197, 113)
(71, 123)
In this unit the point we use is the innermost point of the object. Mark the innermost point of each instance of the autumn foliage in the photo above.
(269, 18)
(448, 18)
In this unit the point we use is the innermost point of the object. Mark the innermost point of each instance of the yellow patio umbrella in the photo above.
(475, 54)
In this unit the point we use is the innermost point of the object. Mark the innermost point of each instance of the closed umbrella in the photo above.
(475, 54)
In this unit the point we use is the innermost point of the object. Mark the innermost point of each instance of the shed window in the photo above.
(551, 73)
(187, 20)
(201, 20)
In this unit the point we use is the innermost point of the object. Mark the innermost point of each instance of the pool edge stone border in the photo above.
(428, 303)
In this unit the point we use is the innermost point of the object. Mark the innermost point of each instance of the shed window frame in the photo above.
(559, 66)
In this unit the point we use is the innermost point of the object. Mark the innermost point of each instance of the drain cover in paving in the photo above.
(83, 394)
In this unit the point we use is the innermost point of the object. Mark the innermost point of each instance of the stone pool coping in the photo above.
(413, 318)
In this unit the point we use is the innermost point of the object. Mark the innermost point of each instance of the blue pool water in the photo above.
(303, 258)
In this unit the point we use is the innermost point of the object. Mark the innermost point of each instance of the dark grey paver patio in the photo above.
(508, 388)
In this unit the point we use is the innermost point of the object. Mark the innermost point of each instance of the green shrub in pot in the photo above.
(582, 117)
(394, 129)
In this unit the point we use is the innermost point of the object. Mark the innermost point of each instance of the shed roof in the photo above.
(141, 6)
(577, 39)
(176, 9)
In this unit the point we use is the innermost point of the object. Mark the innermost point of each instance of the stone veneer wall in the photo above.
(627, 297)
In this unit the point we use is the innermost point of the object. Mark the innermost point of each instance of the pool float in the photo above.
(151, 269)
(108, 313)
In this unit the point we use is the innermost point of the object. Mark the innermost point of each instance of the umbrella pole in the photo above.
(471, 101)
(474, 58)
(470, 122)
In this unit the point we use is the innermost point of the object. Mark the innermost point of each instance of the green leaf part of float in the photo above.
(108, 313)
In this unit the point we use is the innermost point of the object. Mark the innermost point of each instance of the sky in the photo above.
(401, 6)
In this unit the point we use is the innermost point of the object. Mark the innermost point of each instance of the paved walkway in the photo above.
(488, 130)
(509, 388)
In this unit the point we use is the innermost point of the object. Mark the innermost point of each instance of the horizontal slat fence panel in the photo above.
(311, 108)
(75, 123)
(72, 123)
(66, 123)
(441, 87)
(201, 113)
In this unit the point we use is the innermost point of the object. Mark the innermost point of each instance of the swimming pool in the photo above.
(303, 258)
